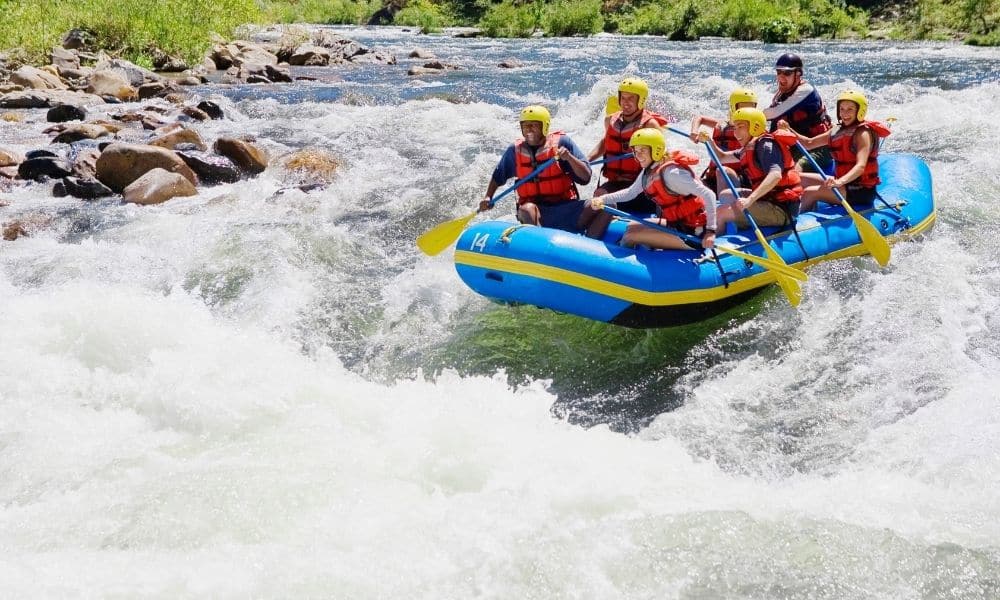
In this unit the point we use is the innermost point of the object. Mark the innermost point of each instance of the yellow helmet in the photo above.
(741, 95)
(652, 137)
(634, 85)
(537, 113)
(857, 98)
(754, 117)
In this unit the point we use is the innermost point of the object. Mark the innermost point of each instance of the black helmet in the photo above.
(788, 62)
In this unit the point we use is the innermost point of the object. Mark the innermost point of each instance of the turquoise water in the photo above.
(264, 394)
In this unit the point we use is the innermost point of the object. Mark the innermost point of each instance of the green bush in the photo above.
(130, 28)
(426, 15)
(779, 31)
(676, 21)
(328, 12)
(573, 17)
(505, 20)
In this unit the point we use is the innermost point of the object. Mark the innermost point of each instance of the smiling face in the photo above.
(741, 131)
(643, 154)
(847, 112)
(629, 102)
(532, 132)
(788, 79)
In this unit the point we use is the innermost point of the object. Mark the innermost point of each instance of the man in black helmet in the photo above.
(799, 104)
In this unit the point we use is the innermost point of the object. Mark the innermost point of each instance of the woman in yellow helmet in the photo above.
(854, 146)
(682, 201)
(619, 127)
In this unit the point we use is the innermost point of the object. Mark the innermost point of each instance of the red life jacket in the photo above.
(616, 139)
(725, 139)
(551, 186)
(684, 211)
(789, 187)
(846, 154)
(807, 117)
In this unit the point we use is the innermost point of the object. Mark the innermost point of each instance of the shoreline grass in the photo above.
(135, 29)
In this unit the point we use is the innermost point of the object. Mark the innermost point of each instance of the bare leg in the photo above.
(814, 193)
(529, 214)
(720, 181)
(594, 221)
(638, 234)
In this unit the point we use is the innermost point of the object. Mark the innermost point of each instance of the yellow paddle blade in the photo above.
(788, 285)
(784, 269)
(874, 243)
(612, 106)
(435, 240)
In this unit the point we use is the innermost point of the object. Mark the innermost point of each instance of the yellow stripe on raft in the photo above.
(645, 297)
(607, 288)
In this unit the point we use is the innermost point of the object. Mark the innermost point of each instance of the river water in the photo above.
(260, 392)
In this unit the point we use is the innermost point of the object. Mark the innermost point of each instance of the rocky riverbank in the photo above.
(118, 130)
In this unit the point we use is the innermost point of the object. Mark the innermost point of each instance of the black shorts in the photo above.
(863, 196)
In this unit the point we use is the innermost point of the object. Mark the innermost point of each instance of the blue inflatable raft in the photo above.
(600, 280)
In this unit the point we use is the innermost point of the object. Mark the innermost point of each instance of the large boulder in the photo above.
(65, 59)
(47, 98)
(74, 132)
(156, 186)
(170, 138)
(248, 157)
(111, 82)
(211, 168)
(44, 167)
(121, 164)
(9, 158)
(37, 79)
(86, 189)
(65, 112)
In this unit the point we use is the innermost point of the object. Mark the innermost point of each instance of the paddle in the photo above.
(874, 243)
(435, 240)
(753, 258)
(788, 285)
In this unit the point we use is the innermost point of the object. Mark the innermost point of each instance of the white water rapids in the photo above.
(217, 397)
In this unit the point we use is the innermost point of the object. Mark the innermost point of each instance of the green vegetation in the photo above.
(326, 12)
(974, 21)
(426, 15)
(130, 28)
(186, 28)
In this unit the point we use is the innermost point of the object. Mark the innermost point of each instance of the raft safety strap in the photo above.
(895, 208)
(505, 236)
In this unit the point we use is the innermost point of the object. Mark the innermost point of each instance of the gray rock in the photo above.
(87, 189)
(65, 112)
(42, 168)
(211, 168)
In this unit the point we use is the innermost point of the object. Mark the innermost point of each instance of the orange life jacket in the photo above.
(551, 186)
(616, 139)
(789, 187)
(725, 139)
(687, 211)
(846, 154)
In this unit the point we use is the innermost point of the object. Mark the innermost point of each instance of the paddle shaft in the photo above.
(522, 181)
(544, 166)
(651, 225)
(758, 260)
